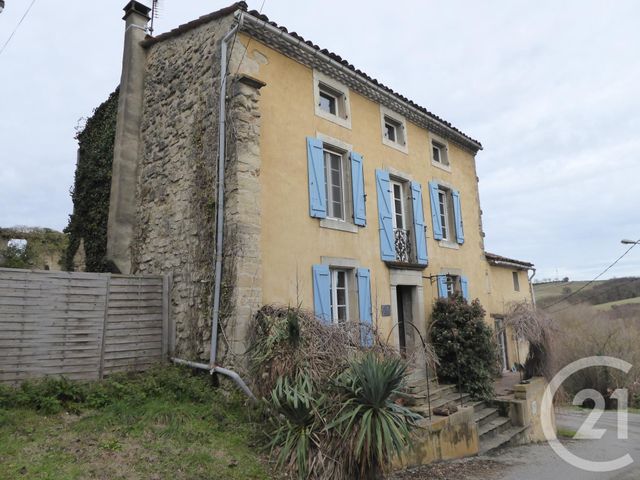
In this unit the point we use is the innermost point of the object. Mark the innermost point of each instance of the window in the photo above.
(394, 129)
(339, 296)
(516, 281)
(397, 202)
(446, 210)
(331, 99)
(453, 285)
(334, 184)
(439, 153)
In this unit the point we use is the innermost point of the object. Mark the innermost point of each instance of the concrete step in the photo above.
(435, 392)
(485, 415)
(452, 397)
(493, 428)
(508, 437)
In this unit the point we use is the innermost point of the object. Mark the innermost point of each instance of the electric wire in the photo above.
(17, 26)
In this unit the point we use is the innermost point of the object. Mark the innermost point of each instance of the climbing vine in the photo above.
(92, 186)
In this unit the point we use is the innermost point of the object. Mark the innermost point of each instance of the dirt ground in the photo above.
(475, 468)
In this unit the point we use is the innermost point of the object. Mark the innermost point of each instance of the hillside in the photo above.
(603, 294)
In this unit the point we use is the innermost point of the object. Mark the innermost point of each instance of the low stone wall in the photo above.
(527, 408)
(444, 438)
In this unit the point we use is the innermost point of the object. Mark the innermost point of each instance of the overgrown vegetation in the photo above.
(43, 249)
(465, 346)
(165, 423)
(598, 293)
(92, 186)
(330, 402)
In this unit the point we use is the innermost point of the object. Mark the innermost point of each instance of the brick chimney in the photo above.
(122, 203)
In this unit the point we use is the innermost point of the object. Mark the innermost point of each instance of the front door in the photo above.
(405, 327)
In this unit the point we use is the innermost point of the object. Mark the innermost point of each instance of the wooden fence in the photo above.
(81, 325)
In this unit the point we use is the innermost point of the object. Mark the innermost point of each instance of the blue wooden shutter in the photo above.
(317, 193)
(435, 211)
(357, 184)
(418, 223)
(364, 306)
(457, 213)
(322, 292)
(383, 189)
(464, 286)
(442, 286)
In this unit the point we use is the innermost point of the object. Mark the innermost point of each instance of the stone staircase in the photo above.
(494, 427)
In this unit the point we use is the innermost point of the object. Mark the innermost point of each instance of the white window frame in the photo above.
(401, 143)
(443, 147)
(335, 272)
(340, 92)
(403, 208)
(453, 285)
(328, 151)
(444, 213)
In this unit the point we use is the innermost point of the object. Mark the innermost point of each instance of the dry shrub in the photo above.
(287, 341)
(584, 332)
(535, 327)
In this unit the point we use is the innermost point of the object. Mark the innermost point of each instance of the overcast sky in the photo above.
(551, 89)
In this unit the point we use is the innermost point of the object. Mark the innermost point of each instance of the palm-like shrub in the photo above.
(371, 426)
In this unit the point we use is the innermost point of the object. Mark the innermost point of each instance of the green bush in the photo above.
(52, 395)
(464, 345)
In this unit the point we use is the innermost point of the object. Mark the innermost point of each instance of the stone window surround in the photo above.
(319, 77)
(436, 138)
(334, 224)
(386, 112)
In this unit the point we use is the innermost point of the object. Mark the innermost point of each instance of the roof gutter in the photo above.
(249, 19)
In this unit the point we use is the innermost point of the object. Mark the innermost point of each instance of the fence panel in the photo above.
(80, 325)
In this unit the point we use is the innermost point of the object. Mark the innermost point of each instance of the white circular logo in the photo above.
(586, 430)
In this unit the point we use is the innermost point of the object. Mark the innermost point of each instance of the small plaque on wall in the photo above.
(386, 310)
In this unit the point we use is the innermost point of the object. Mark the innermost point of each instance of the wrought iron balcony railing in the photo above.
(403, 245)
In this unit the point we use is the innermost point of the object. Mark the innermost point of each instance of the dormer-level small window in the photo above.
(394, 133)
(331, 100)
(439, 153)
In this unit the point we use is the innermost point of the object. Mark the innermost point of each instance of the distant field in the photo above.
(556, 289)
(627, 301)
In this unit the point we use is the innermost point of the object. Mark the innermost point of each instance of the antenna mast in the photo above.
(154, 14)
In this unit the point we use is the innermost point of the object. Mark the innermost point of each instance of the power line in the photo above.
(590, 281)
(248, 42)
(613, 287)
(17, 26)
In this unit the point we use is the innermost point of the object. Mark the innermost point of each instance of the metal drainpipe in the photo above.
(533, 292)
(212, 368)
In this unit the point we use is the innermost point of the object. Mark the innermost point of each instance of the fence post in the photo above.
(104, 327)
(166, 324)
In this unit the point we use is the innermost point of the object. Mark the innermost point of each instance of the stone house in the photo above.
(306, 183)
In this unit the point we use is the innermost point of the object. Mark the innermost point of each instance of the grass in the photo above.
(166, 423)
(626, 301)
(566, 432)
(555, 289)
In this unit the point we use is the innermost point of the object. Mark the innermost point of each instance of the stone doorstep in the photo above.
(484, 415)
(494, 427)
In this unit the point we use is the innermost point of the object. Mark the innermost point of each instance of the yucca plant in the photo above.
(372, 427)
(298, 429)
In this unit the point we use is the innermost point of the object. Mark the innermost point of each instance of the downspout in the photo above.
(212, 368)
(533, 293)
(215, 316)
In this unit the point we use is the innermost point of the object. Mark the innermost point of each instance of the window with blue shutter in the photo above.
(317, 192)
(457, 213)
(383, 190)
(435, 211)
(364, 306)
(464, 286)
(357, 182)
(322, 292)
(442, 286)
(418, 223)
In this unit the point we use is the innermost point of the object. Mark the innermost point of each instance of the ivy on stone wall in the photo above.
(92, 186)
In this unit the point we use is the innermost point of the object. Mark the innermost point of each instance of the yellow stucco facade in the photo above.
(292, 241)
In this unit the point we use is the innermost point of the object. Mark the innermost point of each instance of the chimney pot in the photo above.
(136, 7)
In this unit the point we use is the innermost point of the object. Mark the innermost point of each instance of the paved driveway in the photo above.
(539, 461)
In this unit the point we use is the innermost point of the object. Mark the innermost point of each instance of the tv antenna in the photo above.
(154, 14)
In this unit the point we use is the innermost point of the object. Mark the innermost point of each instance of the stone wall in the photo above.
(176, 194)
